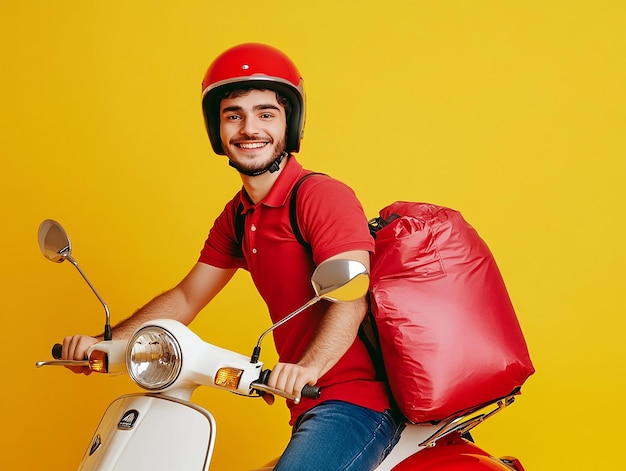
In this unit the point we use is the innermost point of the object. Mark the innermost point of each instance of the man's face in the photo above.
(252, 129)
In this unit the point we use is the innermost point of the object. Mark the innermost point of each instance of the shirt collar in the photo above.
(281, 189)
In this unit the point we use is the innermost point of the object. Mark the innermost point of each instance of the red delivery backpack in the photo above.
(441, 317)
(448, 334)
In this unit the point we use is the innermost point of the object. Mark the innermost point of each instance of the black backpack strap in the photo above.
(293, 204)
(239, 224)
(368, 333)
(293, 207)
(376, 224)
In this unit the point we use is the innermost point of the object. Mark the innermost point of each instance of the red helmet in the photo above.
(257, 66)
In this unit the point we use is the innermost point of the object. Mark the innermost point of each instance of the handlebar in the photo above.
(311, 392)
(308, 391)
(57, 351)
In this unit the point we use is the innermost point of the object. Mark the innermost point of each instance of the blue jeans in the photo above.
(337, 436)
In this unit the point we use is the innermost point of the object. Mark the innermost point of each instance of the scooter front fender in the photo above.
(149, 431)
(452, 454)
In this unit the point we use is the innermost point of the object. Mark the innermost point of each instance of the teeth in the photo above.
(251, 145)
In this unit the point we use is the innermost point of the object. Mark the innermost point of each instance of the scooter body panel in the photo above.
(149, 431)
(452, 454)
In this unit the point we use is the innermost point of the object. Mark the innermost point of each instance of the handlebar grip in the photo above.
(311, 392)
(308, 391)
(57, 351)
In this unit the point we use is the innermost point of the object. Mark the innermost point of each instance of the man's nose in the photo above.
(249, 127)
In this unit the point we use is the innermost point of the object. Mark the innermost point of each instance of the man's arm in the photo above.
(337, 331)
(182, 303)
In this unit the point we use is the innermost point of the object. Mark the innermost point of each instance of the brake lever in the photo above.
(276, 392)
(39, 364)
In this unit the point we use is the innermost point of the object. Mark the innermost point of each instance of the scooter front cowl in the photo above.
(149, 431)
(453, 453)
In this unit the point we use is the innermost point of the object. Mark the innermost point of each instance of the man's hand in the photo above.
(292, 378)
(75, 348)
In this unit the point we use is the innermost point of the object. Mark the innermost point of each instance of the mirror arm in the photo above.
(257, 350)
(108, 335)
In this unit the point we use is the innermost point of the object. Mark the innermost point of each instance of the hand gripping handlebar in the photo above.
(308, 391)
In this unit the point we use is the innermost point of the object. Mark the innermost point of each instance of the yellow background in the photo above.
(511, 112)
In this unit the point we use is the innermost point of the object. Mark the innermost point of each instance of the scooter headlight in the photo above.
(153, 358)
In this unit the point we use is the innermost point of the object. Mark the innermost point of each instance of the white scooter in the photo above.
(169, 361)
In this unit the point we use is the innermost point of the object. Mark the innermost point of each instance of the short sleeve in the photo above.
(331, 218)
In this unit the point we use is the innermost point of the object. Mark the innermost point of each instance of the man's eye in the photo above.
(233, 117)
(267, 115)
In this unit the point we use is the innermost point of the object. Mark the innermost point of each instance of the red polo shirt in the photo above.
(332, 221)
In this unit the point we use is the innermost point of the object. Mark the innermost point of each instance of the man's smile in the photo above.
(250, 145)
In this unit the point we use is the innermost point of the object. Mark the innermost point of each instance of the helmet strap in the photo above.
(272, 167)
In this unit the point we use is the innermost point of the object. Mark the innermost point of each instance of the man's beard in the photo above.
(252, 167)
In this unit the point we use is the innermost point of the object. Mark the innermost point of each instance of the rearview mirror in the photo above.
(340, 280)
(54, 243)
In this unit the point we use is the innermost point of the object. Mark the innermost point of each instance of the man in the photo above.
(253, 103)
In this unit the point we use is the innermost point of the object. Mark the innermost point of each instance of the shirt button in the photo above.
(253, 250)
(253, 228)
